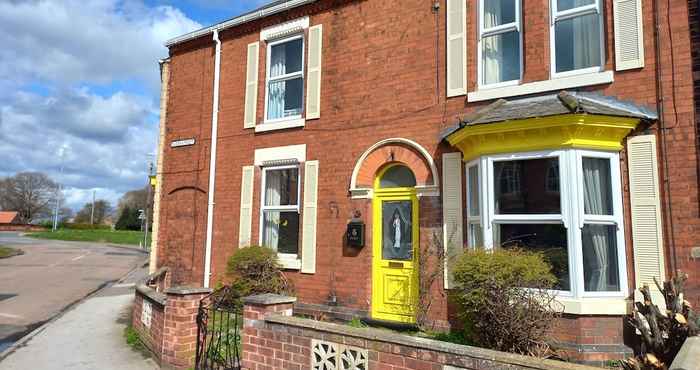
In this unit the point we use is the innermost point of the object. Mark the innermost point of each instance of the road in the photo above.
(52, 275)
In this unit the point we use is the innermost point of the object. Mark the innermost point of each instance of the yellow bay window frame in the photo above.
(569, 138)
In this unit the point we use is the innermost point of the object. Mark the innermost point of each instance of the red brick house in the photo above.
(451, 123)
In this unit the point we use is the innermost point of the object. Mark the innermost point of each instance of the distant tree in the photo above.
(29, 193)
(128, 219)
(64, 215)
(136, 199)
(102, 210)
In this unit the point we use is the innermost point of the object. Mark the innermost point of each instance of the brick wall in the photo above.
(170, 332)
(383, 76)
(21, 227)
(272, 339)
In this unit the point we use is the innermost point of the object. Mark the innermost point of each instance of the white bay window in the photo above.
(499, 42)
(576, 37)
(564, 203)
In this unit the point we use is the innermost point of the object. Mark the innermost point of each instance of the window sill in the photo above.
(280, 125)
(560, 83)
(596, 306)
(288, 263)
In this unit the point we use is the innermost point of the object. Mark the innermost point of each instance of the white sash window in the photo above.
(576, 37)
(499, 43)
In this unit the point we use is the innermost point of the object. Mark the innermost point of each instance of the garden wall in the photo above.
(166, 319)
(274, 339)
(21, 227)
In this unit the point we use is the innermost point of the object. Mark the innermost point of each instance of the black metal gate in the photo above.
(219, 325)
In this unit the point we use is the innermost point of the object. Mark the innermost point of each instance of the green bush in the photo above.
(256, 270)
(498, 312)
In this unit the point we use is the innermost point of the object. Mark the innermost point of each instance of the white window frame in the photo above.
(287, 260)
(471, 219)
(615, 219)
(556, 16)
(571, 216)
(486, 32)
(288, 76)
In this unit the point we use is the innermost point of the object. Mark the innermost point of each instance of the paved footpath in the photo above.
(50, 276)
(88, 336)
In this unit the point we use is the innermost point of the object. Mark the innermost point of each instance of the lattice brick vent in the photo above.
(333, 356)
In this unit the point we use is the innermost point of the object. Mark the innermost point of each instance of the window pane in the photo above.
(570, 4)
(286, 58)
(550, 239)
(577, 43)
(501, 57)
(476, 235)
(520, 187)
(597, 189)
(397, 230)
(600, 271)
(397, 176)
(498, 12)
(281, 187)
(474, 206)
(285, 98)
(281, 231)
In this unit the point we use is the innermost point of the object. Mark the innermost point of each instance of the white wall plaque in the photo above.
(183, 142)
(146, 312)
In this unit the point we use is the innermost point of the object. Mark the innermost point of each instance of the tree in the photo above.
(29, 193)
(135, 199)
(128, 219)
(64, 215)
(102, 211)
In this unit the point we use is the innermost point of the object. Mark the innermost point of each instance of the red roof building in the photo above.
(9, 217)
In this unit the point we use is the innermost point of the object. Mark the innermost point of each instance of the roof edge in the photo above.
(245, 18)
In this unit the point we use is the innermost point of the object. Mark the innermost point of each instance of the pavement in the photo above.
(47, 289)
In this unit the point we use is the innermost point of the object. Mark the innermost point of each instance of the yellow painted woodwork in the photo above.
(584, 131)
(394, 283)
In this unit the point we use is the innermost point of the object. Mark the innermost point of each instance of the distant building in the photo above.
(9, 218)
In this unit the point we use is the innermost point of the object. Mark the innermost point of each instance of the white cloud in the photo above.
(97, 41)
(82, 76)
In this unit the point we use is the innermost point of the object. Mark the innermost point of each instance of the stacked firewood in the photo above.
(662, 333)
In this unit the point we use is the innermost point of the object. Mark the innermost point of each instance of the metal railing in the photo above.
(219, 325)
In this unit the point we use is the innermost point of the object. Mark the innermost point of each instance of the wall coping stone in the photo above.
(425, 343)
(268, 299)
(183, 290)
(687, 357)
(151, 294)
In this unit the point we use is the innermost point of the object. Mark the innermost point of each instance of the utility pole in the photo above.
(92, 213)
(58, 192)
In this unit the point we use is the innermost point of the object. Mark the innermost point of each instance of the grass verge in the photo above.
(7, 252)
(99, 236)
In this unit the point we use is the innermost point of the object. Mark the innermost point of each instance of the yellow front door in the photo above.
(395, 255)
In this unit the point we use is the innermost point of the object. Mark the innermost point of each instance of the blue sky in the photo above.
(79, 86)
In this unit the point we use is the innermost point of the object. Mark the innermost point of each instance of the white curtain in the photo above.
(492, 46)
(586, 38)
(271, 219)
(596, 240)
(278, 62)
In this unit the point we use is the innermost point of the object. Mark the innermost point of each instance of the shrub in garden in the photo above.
(255, 270)
(505, 299)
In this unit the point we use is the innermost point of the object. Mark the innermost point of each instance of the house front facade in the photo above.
(354, 137)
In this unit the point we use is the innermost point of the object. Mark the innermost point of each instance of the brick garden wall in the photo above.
(272, 339)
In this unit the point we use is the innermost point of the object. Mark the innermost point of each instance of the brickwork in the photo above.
(276, 341)
(591, 339)
(383, 77)
(171, 332)
(152, 335)
(21, 227)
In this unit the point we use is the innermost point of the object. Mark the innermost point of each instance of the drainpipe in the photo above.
(668, 222)
(212, 160)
